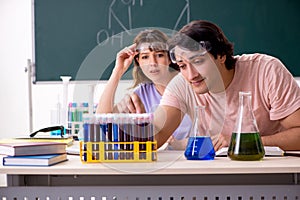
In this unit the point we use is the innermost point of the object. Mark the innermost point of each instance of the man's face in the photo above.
(199, 69)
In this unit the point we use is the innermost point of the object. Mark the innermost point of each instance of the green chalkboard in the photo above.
(80, 38)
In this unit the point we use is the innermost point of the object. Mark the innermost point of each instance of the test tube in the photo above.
(134, 132)
(70, 118)
(143, 134)
(91, 136)
(86, 135)
(96, 137)
(103, 133)
(135, 127)
(128, 136)
(122, 135)
(151, 136)
(115, 136)
(109, 135)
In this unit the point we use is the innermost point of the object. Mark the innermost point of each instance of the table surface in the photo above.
(169, 162)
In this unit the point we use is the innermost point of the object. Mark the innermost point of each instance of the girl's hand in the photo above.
(124, 58)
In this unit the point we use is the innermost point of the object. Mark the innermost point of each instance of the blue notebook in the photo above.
(38, 160)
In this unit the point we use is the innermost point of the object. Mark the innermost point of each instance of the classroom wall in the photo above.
(15, 49)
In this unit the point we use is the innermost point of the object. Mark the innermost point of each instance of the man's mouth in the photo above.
(197, 82)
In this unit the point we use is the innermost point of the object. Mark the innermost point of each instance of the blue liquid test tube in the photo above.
(115, 136)
(86, 138)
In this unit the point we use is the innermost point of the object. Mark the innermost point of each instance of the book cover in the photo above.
(68, 141)
(269, 151)
(38, 160)
(32, 148)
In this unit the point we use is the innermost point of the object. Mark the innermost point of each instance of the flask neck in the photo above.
(245, 122)
(200, 127)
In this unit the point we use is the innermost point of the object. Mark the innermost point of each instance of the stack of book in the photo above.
(33, 153)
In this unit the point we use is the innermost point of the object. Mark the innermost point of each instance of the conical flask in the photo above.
(199, 146)
(245, 141)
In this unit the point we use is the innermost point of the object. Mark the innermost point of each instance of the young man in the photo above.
(213, 77)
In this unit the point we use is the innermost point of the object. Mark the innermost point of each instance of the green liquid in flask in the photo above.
(250, 147)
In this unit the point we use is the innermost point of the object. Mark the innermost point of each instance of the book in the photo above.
(292, 153)
(37, 160)
(32, 148)
(73, 149)
(269, 151)
(68, 141)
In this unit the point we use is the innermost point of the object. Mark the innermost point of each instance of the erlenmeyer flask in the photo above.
(245, 141)
(199, 146)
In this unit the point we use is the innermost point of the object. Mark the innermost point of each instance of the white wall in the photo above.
(15, 49)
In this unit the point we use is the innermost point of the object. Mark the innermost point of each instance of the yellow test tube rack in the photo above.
(120, 152)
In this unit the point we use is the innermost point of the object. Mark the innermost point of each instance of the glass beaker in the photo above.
(199, 146)
(245, 141)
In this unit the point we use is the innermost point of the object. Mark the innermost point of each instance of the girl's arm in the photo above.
(123, 61)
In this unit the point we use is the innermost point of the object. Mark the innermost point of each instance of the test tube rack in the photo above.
(118, 138)
(75, 117)
(89, 155)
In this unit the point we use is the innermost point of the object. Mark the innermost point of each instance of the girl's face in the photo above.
(154, 64)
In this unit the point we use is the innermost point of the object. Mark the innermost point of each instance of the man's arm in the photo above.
(288, 139)
(166, 120)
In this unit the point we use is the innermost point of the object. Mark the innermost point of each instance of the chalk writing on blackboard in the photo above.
(106, 35)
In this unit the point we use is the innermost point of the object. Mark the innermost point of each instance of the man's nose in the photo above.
(191, 72)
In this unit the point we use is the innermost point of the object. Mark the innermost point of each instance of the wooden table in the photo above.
(171, 177)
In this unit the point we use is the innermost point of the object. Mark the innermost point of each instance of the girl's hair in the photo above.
(152, 37)
(201, 30)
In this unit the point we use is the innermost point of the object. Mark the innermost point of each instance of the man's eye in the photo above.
(182, 66)
(197, 61)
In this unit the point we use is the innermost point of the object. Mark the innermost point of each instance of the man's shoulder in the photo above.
(178, 78)
(177, 82)
(254, 57)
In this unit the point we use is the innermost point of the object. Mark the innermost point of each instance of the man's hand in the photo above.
(221, 141)
(131, 104)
